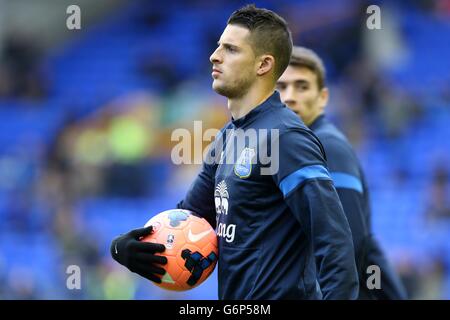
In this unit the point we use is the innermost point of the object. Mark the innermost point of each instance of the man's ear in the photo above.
(266, 63)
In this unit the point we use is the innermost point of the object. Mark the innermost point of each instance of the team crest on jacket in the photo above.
(243, 166)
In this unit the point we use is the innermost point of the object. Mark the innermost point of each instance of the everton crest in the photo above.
(243, 166)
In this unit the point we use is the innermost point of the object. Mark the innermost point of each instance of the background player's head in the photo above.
(254, 48)
(302, 85)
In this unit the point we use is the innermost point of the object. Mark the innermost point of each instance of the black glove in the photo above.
(139, 256)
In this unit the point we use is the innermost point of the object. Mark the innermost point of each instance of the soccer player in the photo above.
(302, 88)
(281, 228)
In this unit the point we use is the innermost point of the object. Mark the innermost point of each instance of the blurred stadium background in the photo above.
(86, 118)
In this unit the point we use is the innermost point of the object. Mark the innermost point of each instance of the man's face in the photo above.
(234, 63)
(299, 91)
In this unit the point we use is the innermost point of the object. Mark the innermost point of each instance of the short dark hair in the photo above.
(304, 57)
(269, 33)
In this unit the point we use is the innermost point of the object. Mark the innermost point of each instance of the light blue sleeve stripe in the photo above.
(345, 180)
(294, 179)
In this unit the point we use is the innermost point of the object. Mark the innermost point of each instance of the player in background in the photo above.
(276, 221)
(302, 88)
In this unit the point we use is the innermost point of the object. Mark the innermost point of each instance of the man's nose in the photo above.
(215, 57)
(289, 96)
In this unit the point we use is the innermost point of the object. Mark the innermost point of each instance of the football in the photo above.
(191, 248)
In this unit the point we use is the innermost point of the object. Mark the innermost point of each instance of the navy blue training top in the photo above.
(281, 228)
(349, 181)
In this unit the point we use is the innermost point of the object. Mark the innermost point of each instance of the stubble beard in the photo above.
(236, 89)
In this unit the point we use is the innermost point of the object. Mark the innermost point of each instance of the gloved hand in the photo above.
(138, 256)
